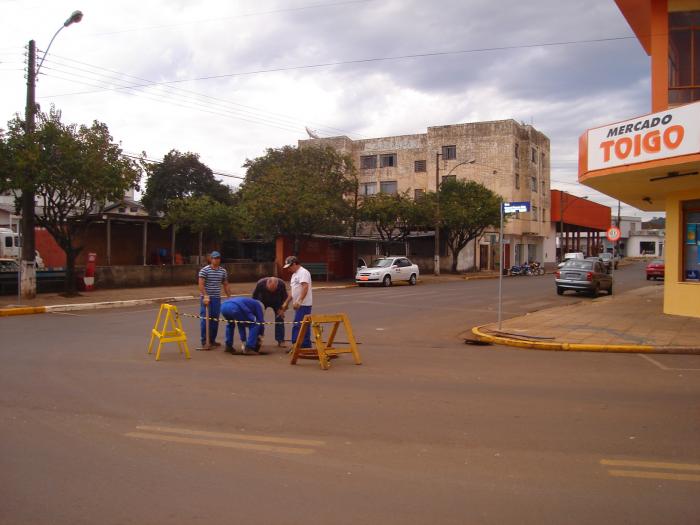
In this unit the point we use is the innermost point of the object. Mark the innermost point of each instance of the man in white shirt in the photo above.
(301, 298)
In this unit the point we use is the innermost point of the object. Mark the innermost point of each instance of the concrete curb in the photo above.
(581, 347)
(29, 310)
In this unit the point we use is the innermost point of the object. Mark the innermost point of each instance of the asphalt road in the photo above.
(427, 430)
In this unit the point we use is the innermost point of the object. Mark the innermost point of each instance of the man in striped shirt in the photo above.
(211, 278)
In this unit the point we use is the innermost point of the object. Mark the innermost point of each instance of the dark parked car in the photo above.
(656, 269)
(583, 276)
(608, 259)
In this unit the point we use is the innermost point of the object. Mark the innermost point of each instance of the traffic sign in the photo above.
(613, 234)
(513, 207)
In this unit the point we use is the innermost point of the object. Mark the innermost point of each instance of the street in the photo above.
(426, 430)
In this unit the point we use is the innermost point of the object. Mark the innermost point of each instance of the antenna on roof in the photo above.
(313, 134)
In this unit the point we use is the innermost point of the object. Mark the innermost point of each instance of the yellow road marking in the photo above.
(654, 475)
(649, 464)
(226, 435)
(224, 444)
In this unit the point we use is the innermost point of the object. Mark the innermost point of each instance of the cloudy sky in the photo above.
(228, 79)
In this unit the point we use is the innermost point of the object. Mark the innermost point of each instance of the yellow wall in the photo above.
(680, 298)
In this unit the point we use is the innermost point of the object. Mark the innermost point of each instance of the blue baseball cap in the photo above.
(215, 255)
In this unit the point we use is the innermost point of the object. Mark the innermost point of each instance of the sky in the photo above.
(227, 80)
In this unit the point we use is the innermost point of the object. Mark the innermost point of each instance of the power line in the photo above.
(242, 15)
(369, 60)
(153, 161)
(248, 111)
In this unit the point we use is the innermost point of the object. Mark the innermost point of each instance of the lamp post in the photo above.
(562, 209)
(27, 262)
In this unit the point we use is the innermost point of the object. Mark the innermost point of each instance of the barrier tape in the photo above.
(221, 319)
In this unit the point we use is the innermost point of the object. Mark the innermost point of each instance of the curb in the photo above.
(581, 347)
(24, 310)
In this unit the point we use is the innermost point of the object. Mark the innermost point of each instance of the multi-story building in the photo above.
(509, 158)
(652, 161)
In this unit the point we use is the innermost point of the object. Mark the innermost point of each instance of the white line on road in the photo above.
(217, 443)
(227, 435)
(649, 464)
(663, 367)
(653, 475)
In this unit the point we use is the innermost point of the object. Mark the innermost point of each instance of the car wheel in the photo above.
(361, 285)
(560, 290)
(596, 290)
(648, 278)
(412, 280)
(387, 280)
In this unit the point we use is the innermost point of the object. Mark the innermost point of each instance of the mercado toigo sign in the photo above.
(670, 133)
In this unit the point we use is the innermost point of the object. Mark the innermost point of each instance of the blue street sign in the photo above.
(512, 207)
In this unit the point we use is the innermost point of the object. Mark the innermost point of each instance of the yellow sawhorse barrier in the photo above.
(324, 350)
(170, 331)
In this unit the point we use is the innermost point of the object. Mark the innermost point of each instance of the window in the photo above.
(418, 194)
(517, 181)
(647, 248)
(517, 151)
(368, 188)
(544, 214)
(388, 186)
(683, 57)
(122, 210)
(133, 209)
(387, 161)
(544, 188)
(449, 152)
(533, 155)
(535, 213)
(691, 245)
(446, 178)
(368, 162)
(419, 166)
(533, 184)
(8, 242)
(542, 161)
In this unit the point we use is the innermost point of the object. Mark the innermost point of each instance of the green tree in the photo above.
(77, 171)
(181, 175)
(396, 216)
(467, 208)
(202, 215)
(297, 192)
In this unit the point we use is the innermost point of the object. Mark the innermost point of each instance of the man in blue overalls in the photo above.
(249, 316)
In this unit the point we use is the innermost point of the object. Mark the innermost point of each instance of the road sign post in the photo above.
(613, 234)
(506, 207)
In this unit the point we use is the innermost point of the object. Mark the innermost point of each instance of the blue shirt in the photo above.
(213, 279)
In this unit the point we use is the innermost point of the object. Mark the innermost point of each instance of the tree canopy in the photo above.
(298, 191)
(396, 216)
(179, 176)
(76, 171)
(467, 208)
(201, 215)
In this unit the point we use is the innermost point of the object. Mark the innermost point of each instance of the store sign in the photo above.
(670, 133)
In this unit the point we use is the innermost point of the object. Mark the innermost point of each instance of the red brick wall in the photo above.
(338, 255)
(50, 252)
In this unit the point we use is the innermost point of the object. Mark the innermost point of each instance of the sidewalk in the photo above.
(630, 322)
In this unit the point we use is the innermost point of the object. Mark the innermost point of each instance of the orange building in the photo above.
(652, 161)
(573, 216)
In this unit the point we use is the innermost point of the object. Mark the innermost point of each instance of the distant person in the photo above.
(211, 279)
(302, 297)
(250, 315)
(272, 293)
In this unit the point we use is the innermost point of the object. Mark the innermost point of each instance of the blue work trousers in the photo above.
(298, 318)
(279, 325)
(214, 311)
(248, 329)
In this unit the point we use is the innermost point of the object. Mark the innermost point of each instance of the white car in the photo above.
(387, 270)
(571, 255)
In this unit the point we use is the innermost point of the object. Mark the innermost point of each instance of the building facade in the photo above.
(507, 157)
(652, 161)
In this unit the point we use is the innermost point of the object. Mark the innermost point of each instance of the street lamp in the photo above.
(562, 209)
(27, 267)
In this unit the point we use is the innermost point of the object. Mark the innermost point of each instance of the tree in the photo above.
(297, 192)
(77, 171)
(396, 216)
(181, 175)
(467, 208)
(201, 215)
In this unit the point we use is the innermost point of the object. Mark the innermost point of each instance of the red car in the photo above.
(656, 269)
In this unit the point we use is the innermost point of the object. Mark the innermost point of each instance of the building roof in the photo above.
(579, 211)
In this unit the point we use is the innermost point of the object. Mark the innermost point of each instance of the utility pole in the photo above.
(437, 214)
(27, 261)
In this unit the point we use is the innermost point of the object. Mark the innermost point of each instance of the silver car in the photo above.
(583, 276)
